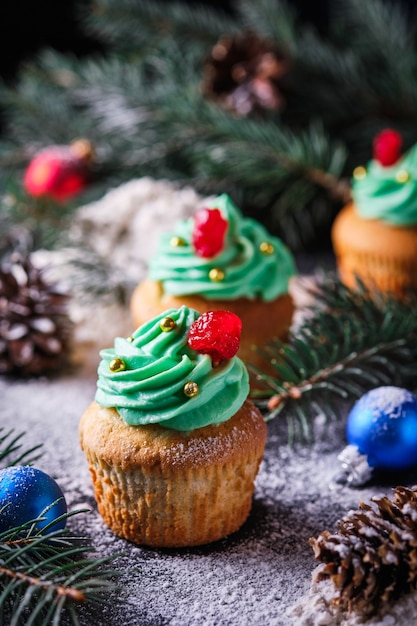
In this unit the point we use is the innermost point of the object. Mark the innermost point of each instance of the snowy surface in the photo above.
(260, 576)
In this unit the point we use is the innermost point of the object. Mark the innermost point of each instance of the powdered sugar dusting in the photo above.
(318, 609)
(387, 400)
(256, 576)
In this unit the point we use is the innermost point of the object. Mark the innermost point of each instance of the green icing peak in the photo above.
(389, 193)
(246, 268)
(154, 366)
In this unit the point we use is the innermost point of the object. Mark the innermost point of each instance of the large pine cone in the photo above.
(244, 74)
(34, 327)
(372, 560)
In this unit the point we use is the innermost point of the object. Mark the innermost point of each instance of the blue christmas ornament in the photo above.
(381, 432)
(26, 492)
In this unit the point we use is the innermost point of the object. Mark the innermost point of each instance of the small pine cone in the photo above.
(34, 327)
(372, 560)
(244, 74)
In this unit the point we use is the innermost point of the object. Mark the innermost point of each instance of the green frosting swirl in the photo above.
(158, 364)
(247, 270)
(379, 195)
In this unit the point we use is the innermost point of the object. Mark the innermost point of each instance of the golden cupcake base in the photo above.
(159, 487)
(383, 256)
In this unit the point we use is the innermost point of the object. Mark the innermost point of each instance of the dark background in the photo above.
(27, 25)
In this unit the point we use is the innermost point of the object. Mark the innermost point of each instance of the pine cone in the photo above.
(244, 74)
(34, 327)
(373, 558)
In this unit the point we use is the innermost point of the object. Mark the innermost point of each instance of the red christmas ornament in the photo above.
(59, 172)
(209, 232)
(387, 147)
(216, 333)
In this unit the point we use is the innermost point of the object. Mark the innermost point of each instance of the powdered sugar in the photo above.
(387, 400)
(317, 609)
(253, 577)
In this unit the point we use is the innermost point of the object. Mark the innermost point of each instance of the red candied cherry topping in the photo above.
(209, 232)
(387, 147)
(216, 333)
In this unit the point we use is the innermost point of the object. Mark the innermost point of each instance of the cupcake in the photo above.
(173, 443)
(219, 260)
(375, 236)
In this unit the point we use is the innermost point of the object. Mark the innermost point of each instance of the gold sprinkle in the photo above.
(177, 242)
(216, 275)
(359, 172)
(129, 339)
(402, 176)
(191, 389)
(167, 324)
(117, 365)
(266, 248)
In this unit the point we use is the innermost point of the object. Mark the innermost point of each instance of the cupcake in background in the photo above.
(375, 236)
(173, 443)
(220, 260)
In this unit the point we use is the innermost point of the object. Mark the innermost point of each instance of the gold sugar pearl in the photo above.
(167, 324)
(402, 176)
(117, 365)
(266, 248)
(216, 275)
(176, 242)
(129, 339)
(190, 389)
(359, 172)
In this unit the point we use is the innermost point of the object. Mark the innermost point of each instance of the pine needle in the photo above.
(141, 105)
(12, 451)
(43, 577)
(46, 574)
(350, 342)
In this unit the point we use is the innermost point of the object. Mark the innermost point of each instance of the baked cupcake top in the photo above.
(219, 254)
(176, 370)
(387, 188)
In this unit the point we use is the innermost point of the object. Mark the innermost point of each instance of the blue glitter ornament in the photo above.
(381, 432)
(26, 492)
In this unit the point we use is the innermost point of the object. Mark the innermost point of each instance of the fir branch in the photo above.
(274, 20)
(89, 276)
(171, 122)
(39, 112)
(152, 22)
(382, 38)
(28, 224)
(366, 84)
(378, 25)
(140, 104)
(10, 444)
(351, 341)
(47, 574)
(46, 577)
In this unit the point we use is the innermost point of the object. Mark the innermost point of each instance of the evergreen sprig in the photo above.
(48, 576)
(153, 22)
(12, 451)
(28, 224)
(350, 342)
(141, 104)
(45, 578)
